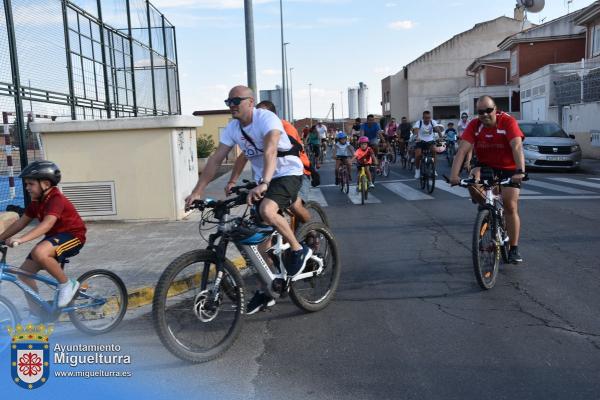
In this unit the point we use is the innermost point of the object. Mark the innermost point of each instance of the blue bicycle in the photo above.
(98, 307)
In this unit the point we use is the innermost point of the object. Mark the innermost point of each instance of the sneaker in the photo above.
(297, 261)
(514, 256)
(66, 292)
(435, 173)
(259, 301)
(417, 174)
(412, 160)
(371, 185)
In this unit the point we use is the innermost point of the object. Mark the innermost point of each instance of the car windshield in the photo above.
(542, 130)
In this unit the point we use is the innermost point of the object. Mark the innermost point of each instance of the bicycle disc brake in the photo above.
(205, 308)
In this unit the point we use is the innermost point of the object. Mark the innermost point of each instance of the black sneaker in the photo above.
(259, 301)
(297, 261)
(514, 256)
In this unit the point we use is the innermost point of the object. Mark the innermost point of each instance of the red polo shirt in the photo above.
(492, 145)
(68, 219)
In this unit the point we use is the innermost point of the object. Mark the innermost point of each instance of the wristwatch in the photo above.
(261, 181)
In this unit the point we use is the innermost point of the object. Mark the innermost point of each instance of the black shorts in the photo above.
(284, 190)
(342, 158)
(315, 149)
(424, 145)
(359, 166)
(65, 245)
(502, 174)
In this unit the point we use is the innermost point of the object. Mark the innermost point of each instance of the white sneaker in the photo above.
(435, 173)
(371, 185)
(66, 292)
(417, 174)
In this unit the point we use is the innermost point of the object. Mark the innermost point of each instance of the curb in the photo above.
(143, 296)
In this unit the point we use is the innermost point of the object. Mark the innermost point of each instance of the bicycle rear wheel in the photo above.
(385, 169)
(317, 213)
(315, 293)
(190, 322)
(485, 250)
(394, 155)
(101, 302)
(423, 179)
(9, 317)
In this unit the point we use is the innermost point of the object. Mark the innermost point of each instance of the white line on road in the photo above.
(382, 181)
(578, 182)
(557, 188)
(355, 196)
(315, 194)
(406, 191)
(558, 197)
(455, 190)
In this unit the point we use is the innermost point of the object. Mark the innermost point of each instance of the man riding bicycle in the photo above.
(498, 143)
(372, 131)
(426, 133)
(405, 131)
(277, 168)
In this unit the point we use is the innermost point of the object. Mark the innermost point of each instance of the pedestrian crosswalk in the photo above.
(539, 188)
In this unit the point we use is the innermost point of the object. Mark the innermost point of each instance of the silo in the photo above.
(363, 100)
(353, 103)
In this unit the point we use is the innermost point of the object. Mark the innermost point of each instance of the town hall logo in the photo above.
(30, 355)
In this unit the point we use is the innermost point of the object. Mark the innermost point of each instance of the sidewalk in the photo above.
(590, 166)
(137, 251)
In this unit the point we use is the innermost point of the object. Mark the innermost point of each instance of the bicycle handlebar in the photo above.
(473, 181)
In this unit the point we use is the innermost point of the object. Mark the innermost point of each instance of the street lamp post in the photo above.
(291, 96)
(250, 57)
(283, 74)
(286, 92)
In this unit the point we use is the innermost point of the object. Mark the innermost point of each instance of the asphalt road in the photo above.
(409, 320)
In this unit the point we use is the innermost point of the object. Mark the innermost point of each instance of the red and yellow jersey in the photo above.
(365, 156)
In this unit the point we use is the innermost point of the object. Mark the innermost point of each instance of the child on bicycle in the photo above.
(62, 227)
(365, 157)
(451, 135)
(342, 153)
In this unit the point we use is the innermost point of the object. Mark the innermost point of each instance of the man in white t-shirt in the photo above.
(426, 133)
(260, 135)
(322, 131)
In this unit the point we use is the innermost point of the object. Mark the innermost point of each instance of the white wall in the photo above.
(579, 120)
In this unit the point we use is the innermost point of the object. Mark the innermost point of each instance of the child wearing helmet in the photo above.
(365, 156)
(59, 223)
(342, 153)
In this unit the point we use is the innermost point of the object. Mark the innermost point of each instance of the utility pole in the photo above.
(291, 96)
(250, 57)
(283, 72)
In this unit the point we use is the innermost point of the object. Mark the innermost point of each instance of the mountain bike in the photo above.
(363, 184)
(199, 303)
(98, 306)
(490, 238)
(427, 169)
(450, 151)
(343, 177)
(394, 150)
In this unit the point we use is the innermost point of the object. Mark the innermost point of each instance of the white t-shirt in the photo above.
(461, 126)
(322, 130)
(263, 121)
(344, 150)
(426, 132)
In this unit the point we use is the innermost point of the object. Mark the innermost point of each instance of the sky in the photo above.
(334, 44)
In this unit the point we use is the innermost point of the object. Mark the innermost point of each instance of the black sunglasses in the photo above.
(235, 101)
(486, 111)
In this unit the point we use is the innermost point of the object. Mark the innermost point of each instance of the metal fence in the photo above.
(79, 59)
(577, 83)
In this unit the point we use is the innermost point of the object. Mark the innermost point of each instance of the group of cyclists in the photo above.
(281, 169)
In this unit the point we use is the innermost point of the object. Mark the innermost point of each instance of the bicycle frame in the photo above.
(253, 256)
(9, 274)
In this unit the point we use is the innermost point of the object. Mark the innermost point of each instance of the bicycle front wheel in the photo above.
(195, 320)
(385, 169)
(315, 293)
(430, 177)
(486, 254)
(9, 317)
(100, 303)
(364, 189)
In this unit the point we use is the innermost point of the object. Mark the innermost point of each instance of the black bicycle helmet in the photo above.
(42, 170)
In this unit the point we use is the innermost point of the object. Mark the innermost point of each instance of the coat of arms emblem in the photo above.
(30, 355)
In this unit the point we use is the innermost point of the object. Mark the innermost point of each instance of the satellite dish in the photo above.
(532, 6)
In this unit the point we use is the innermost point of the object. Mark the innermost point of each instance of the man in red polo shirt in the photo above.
(498, 143)
(59, 223)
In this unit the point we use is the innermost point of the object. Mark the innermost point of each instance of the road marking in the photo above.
(596, 179)
(380, 180)
(455, 190)
(558, 197)
(527, 191)
(315, 194)
(355, 196)
(557, 188)
(578, 182)
(406, 191)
